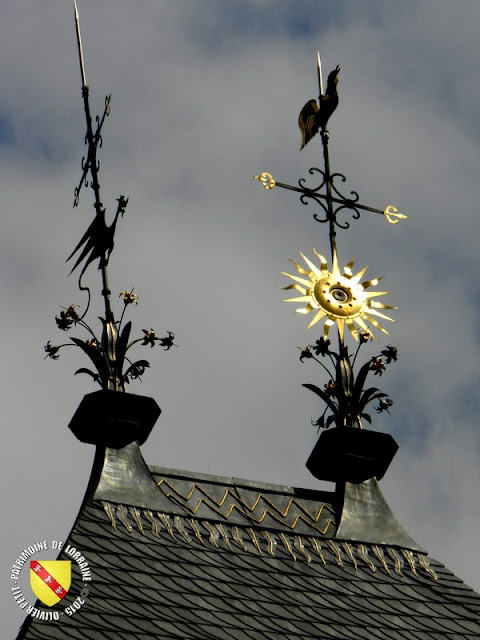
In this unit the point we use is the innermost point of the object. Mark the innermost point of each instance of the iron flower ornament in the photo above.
(112, 367)
(346, 395)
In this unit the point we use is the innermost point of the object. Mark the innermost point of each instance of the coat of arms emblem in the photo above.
(50, 580)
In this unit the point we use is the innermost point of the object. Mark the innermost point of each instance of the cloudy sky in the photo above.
(206, 93)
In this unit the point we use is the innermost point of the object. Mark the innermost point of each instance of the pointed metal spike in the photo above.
(352, 328)
(356, 278)
(319, 73)
(297, 279)
(299, 299)
(299, 268)
(375, 294)
(314, 268)
(380, 315)
(360, 322)
(335, 268)
(376, 324)
(347, 271)
(296, 287)
(371, 283)
(319, 315)
(380, 305)
(79, 43)
(328, 323)
(306, 309)
(323, 262)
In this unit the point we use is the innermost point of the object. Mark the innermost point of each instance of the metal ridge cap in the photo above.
(242, 483)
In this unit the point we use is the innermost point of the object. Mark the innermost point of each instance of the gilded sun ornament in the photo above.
(338, 298)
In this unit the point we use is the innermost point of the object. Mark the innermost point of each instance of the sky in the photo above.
(206, 94)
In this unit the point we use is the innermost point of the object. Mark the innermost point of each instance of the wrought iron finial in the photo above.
(108, 353)
(333, 295)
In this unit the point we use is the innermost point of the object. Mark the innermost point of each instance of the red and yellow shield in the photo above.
(50, 580)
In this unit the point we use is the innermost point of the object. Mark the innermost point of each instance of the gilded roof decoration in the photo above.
(257, 508)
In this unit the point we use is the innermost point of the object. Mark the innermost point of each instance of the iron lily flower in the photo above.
(330, 388)
(149, 337)
(137, 369)
(377, 365)
(129, 297)
(364, 336)
(167, 342)
(67, 317)
(52, 351)
(321, 347)
(384, 405)
(390, 353)
(305, 353)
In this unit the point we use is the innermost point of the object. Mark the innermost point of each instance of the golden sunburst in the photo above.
(337, 298)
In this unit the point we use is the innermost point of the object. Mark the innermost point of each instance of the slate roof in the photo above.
(203, 557)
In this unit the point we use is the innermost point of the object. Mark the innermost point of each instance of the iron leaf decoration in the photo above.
(108, 354)
(345, 395)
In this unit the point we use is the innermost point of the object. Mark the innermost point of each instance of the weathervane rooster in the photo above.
(315, 116)
(98, 240)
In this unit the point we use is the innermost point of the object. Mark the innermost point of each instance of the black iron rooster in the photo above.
(313, 116)
(98, 239)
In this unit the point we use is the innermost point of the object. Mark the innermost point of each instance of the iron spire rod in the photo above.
(320, 78)
(328, 197)
(332, 234)
(79, 43)
(92, 165)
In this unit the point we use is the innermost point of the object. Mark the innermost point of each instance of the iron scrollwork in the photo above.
(323, 199)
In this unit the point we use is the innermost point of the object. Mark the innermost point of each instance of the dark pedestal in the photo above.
(114, 418)
(348, 454)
